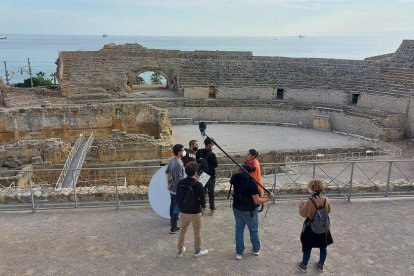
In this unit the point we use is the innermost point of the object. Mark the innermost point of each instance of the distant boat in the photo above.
(301, 36)
(3, 37)
(105, 35)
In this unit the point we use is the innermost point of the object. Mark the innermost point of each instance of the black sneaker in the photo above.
(319, 267)
(175, 230)
(302, 267)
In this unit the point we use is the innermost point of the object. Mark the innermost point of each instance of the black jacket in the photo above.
(198, 190)
(211, 159)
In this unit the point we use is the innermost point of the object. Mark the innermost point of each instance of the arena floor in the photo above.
(240, 138)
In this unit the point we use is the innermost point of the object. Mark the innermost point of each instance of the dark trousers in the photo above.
(173, 217)
(209, 189)
(322, 256)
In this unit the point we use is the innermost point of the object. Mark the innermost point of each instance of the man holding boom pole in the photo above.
(245, 200)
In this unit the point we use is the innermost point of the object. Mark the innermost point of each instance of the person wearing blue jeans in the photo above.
(245, 200)
(322, 256)
(308, 238)
(174, 173)
(251, 220)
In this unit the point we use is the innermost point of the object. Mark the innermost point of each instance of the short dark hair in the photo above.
(177, 149)
(191, 168)
(208, 141)
(191, 143)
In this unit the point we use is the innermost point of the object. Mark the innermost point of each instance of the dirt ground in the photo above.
(371, 237)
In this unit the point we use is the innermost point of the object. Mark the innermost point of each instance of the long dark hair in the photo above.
(253, 153)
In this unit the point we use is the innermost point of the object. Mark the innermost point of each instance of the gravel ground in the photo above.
(372, 237)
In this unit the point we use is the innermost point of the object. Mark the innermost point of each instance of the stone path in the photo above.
(372, 237)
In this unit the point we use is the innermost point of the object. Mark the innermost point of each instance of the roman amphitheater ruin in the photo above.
(128, 127)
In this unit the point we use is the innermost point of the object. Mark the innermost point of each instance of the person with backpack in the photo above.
(316, 227)
(245, 201)
(173, 174)
(207, 163)
(191, 152)
(191, 201)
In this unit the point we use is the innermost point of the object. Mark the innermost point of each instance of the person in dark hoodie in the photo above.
(191, 152)
(191, 209)
(208, 154)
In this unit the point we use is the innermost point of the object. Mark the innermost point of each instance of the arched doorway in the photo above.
(149, 79)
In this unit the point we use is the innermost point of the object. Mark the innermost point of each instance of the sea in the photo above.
(42, 50)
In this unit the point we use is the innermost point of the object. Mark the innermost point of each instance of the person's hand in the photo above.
(302, 203)
(270, 197)
(169, 185)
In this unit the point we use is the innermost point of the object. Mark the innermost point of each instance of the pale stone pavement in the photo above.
(372, 237)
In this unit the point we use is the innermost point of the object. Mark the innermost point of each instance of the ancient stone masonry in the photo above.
(132, 128)
(69, 121)
(382, 84)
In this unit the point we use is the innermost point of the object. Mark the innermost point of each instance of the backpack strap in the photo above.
(314, 204)
(316, 208)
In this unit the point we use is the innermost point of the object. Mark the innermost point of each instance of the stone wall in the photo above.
(317, 96)
(67, 122)
(384, 83)
(52, 150)
(374, 125)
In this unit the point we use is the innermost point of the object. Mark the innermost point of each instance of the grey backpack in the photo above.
(320, 223)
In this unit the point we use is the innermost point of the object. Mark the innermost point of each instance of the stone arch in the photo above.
(169, 77)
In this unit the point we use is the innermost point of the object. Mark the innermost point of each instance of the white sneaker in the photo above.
(239, 256)
(179, 255)
(202, 253)
(256, 253)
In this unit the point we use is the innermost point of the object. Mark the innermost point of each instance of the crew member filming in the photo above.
(245, 200)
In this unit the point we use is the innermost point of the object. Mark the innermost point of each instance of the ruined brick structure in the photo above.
(371, 97)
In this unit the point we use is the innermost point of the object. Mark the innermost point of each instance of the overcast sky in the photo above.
(207, 17)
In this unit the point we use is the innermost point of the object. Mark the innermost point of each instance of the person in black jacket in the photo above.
(191, 152)
(191, 213)
(209, 155)
(245, 200)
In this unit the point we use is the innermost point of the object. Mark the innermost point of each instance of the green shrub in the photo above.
(39, 80)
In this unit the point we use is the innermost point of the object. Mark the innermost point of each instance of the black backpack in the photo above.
(186, 201)
(320, 223)
(203, 164)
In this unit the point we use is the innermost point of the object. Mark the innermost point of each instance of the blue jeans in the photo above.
(209, 189)
(307, 254)
(173, 216)
(252, 220)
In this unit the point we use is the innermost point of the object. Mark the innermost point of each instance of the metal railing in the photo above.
(329, 157)
(121, 186)
(379, 149)
(69, 160)
(392, 151)
(76, 173)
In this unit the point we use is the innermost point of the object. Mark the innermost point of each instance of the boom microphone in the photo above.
(202, 126)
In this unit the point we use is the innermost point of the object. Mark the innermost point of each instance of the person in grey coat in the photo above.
(174, 173)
